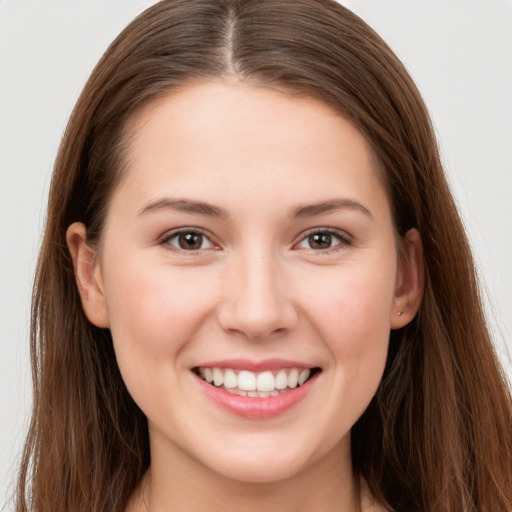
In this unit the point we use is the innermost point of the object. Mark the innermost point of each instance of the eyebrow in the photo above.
(310, 210)
(184, 205)
(207, 209)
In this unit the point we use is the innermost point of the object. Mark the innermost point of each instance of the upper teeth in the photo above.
(245, 380)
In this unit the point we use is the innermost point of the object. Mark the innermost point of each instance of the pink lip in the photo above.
(254, 366)
(256, 407)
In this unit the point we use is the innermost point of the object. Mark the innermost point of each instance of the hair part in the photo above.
(436, 436)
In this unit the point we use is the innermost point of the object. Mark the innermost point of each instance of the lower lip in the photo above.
(257, 407)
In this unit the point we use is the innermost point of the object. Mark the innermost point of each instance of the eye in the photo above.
(323, 240)
(188, 240)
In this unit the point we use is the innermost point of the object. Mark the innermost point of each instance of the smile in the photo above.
(256, 390)
(255, 384)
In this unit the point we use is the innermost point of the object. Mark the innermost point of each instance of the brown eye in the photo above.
(323, 241)
(189, 241)
(320, 241)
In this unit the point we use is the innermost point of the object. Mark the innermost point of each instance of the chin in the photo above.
(266, 462)
(259, 470)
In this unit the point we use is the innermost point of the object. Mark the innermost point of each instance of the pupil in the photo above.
(191, 241)
(320, 241)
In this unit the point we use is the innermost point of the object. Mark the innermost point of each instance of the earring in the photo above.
(399, 313)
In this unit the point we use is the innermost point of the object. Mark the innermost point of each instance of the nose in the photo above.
(255, 300)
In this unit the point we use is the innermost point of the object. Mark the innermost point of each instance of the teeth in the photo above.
(246, 383)
(281, 380)
(218, 377)
(230, 379)
(293, 378)
(304, 376)
(265, 382)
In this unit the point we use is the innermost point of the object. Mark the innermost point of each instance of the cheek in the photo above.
(154, 311)
(352, 305)
(352, 314)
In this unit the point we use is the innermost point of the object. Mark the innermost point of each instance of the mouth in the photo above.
(263, 384)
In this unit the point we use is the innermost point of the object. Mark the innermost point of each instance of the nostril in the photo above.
(257, 327)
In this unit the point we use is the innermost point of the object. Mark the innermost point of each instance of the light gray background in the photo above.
(458, 51)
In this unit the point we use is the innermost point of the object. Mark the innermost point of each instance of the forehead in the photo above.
(227, 140)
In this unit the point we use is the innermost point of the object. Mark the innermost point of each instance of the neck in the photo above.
(328, 485)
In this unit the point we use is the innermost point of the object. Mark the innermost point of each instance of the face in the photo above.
(249, 274)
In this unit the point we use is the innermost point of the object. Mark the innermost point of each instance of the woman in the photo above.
(254, 288)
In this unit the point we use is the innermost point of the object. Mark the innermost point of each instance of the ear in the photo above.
(88, 275)
(410, 281)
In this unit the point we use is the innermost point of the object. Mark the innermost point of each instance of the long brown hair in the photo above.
(438, 434)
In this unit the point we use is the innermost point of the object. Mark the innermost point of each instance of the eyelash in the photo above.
(344, 240)
(166, 239)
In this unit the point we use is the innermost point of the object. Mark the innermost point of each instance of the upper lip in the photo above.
(254, 366)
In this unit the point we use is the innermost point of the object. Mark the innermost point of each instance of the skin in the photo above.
(256, 289)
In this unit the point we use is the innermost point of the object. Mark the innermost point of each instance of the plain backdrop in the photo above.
(458, 51)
